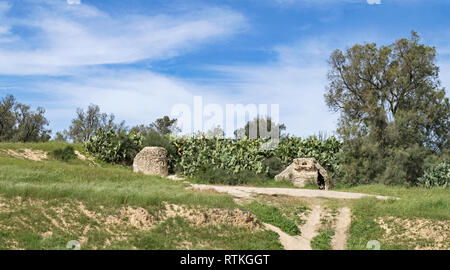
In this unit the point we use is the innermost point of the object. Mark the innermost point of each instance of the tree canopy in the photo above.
(85, 124)
(19, 123)
(392, 107)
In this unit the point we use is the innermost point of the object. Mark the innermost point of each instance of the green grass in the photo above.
(105, 189)
(323, 240)
(176, 230)
(49, 185)
(413, 203)
(272, 215)
(112, 185)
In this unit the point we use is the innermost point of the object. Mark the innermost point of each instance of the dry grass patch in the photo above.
(34, 155)
(416, 233)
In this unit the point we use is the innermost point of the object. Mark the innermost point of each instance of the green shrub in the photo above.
(437, 176)
(114, 147)
(274, 166)
(235, 156)
(365, 161)
(64, 154)
(224, 177)
(232, 156)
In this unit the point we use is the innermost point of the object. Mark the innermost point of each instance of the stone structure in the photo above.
(151, 161)
(305, 170)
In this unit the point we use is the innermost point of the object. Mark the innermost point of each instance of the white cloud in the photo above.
(296, 81)
(133, 95)
(74, 2)
(142, 96)
(374, 2)
(71, 36)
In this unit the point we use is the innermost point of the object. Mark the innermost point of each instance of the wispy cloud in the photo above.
(66, 37)
(97, 51)
(374, 2)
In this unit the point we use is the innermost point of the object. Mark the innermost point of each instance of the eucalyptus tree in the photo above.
(394, 113)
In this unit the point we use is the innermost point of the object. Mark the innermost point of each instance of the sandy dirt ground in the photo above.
(248, 192)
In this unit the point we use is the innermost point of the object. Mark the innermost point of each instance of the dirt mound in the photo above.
(215, 217)
(35, 155)
(417, 233)
(76, 218)
(138, 217)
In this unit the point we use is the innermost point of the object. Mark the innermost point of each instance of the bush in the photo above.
(224, 177)
(235, 156)
(437, 176)
(273, 166)
(64, 154)
(116, 147)
(364, 161)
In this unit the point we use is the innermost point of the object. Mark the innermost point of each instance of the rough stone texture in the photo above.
(304, 170)
(151, 161)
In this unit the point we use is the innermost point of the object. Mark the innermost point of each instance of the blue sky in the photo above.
(138, 58)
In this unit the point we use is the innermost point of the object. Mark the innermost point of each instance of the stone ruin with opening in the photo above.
(303, 171)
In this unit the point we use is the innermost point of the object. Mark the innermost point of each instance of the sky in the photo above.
(140, 58)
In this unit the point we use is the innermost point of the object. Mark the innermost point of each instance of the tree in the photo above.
(216, 132)
(60, 137)
(30, 125)
(19, 123)
(262, 128)
(7, 118)
(164, 125)
(393, 110)
(85, 124)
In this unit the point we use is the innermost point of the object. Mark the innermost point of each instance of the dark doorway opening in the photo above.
(321, 181)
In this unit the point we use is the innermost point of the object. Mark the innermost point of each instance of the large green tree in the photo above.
(19, 123)
(7, 118)
(393, 111)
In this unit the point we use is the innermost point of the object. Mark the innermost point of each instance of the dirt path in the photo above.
(247, 192)
(309, 231)
(339, 241)
(290, 242)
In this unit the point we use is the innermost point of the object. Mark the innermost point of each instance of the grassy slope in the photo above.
(415, 203)
(108, 188)
(50, 190)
